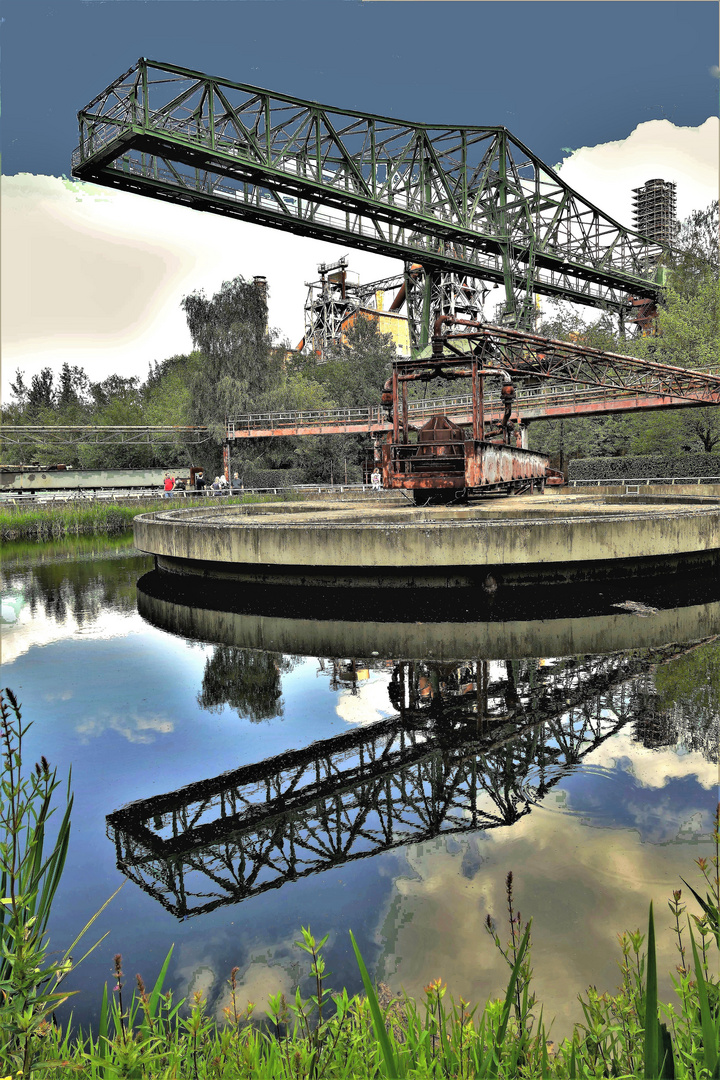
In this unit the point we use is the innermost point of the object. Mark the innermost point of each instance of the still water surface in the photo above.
(255, 764)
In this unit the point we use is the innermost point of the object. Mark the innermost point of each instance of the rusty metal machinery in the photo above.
(442, 462)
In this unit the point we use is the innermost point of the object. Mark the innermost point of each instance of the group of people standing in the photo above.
(218, 486)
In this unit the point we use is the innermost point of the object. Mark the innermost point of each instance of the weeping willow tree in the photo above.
(237, 365)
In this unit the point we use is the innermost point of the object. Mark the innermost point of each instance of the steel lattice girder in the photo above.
(526, 354)
(473, 200)
(98, 435)
(557, 403)
(601, 382)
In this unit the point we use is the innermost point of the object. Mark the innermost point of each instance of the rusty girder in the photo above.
(526, 354)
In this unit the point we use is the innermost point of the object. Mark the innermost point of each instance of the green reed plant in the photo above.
(365, 1038)
(30, 981)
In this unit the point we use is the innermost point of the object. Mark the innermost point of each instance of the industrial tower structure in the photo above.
(336, 300)
(654, 211)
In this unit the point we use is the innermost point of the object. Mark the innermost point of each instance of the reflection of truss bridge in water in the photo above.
(473, 760)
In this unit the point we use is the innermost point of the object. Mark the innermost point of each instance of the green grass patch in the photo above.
(57, 521)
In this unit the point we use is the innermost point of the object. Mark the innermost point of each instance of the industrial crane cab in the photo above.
(446, 461)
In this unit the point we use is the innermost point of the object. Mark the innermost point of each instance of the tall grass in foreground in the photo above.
(53, 522)
(145, 1033)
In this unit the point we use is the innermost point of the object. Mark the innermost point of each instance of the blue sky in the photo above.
(557, 74)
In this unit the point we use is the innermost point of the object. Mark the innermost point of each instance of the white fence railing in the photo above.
(153, 493)
(645, 481)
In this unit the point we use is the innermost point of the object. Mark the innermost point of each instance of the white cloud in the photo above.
(33, 631)
(132, 726)
(263, 975)
(654, 768)
(95, 277)
(581, 885)
(606, 174)
(368, 704)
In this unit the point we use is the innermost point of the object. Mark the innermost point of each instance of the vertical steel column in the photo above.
(430, 275)
(404, 412)
(476, 406)
(504, 237)
(210, 91)
(142, 64)
(396, 405)
(480, 676)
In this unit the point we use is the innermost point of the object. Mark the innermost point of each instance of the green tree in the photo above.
(116, 401)
(73, 390)
(688, 335)
(351, 378)
(354, 376)
(688, 689)
(695, 257)
(238, 366)
(19, 390)
(41, 393)
(167, 402)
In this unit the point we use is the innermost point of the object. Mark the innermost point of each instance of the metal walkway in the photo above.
(556, 404)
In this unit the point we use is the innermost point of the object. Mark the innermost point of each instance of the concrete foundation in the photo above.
(500, 541)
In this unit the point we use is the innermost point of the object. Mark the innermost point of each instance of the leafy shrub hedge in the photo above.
(271, 478)
(641, 467)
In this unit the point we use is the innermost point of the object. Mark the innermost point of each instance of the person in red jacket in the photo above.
(169, 485)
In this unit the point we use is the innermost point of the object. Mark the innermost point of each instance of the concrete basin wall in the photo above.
(310, 539)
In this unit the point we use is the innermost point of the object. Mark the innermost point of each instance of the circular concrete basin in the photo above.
(513, 541)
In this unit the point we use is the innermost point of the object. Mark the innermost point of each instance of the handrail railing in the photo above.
(426, 408)
(645, 481)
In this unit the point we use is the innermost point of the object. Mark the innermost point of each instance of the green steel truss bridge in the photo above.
(470, 201)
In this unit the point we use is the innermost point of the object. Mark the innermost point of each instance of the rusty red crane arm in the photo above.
(527, 354)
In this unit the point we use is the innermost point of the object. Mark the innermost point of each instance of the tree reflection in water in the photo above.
(474, 745)
(245, 679)
(688, 690)
(81, 589)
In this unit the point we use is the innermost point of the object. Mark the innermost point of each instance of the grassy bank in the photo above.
(56, 521)
(143, 1034)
